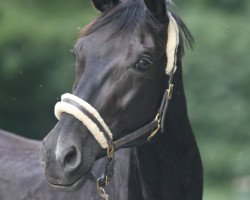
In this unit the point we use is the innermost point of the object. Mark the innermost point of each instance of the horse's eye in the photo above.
(143, 64)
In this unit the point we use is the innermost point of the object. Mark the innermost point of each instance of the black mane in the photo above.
(121, 19)
(124, 18)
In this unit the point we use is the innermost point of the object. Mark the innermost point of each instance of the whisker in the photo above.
(64, 69)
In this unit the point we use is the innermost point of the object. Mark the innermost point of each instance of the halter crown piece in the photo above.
(96, 125)
(172, 44)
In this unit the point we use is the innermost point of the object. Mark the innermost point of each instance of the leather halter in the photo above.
(81, 110)
(91, 118)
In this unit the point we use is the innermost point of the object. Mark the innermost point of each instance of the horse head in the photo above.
(124, 61)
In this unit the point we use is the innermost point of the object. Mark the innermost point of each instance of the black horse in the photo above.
(121, 59)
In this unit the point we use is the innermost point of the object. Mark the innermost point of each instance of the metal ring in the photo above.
(110, 151)
(170, 91)
(107, 179)
(155, 130)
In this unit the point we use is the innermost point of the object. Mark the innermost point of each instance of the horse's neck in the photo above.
(161, 169)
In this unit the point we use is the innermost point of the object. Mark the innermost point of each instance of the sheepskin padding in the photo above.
(63, 107)
(172, 44)
(90, 109)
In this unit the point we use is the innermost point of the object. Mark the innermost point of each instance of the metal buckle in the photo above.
(170, 91)
(157, 128)
(110, 151)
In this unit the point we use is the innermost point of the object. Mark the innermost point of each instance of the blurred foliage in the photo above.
(217, 87)
(36, 62)
(37, 66)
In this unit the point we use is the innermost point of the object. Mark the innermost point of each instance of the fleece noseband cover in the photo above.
(90, 117)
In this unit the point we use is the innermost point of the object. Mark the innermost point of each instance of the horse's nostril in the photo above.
(70, 158)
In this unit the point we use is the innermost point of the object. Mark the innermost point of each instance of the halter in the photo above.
(93, 121)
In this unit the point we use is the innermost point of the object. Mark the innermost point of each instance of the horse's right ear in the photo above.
(104, 5)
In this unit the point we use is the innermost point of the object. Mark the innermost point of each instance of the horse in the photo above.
(126, 120)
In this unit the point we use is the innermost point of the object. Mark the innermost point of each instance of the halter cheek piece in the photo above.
(91, 118)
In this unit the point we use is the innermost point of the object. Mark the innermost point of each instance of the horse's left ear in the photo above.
(157, 8)
(104, 5)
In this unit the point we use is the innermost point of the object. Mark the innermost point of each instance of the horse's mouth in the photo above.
(72, 186)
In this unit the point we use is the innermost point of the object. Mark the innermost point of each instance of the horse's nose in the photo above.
(68, 157)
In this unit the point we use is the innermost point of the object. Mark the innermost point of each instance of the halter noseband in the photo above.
(87, 114)
(91, 118)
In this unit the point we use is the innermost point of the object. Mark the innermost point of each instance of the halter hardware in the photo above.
(102, 191)
(170, 91)
(157, 128)
(110, 151)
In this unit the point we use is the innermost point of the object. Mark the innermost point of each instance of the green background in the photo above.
(37, 66)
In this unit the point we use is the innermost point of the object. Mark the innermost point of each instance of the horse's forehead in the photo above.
(101, 43)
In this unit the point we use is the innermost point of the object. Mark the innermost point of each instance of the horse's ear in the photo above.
(157, 8)
(103, 5)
